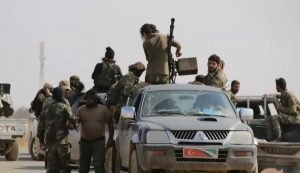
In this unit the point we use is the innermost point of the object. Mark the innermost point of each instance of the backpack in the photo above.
(106, 77)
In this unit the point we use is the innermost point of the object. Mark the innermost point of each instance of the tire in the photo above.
(256, 168)
(108, 160)
(118, 163)
(134, 166)
(33, 150)
(14, 153)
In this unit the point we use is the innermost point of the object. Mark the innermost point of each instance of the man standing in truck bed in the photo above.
(289, 110)
(155, 47)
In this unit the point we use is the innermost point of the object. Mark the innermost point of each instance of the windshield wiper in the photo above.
(169, 112)
(203, 114)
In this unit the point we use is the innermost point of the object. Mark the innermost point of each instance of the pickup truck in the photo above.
(271, 154)
(10, 128)
(184, 128)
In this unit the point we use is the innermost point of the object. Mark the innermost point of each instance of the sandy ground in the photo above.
(25, 159)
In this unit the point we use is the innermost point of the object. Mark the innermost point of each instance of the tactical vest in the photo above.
(106, 78)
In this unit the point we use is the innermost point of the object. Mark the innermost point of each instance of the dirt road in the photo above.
(26, 165)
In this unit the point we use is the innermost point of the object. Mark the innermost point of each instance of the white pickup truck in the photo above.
(184, 128)
(10, 128)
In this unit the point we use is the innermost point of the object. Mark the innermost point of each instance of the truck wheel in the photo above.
(118, 163)
(134, 166)
(33, 150)
(256, 170)
(108, 160)
(14, 153)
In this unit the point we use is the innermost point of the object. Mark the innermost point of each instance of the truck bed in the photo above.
(11, 128)
(278, 154)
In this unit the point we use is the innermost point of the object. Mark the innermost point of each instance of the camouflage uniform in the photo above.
(216, 79)
(104, 77)
(53, 131)
(232, 97)
(290, 113)
(119, 93)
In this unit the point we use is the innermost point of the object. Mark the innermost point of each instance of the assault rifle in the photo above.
(171, 61)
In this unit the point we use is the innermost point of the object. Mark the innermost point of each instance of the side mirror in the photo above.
(127, 112)
(245, 114)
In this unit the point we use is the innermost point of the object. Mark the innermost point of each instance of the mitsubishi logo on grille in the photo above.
(200, 136)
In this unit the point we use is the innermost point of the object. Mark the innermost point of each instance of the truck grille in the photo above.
(211, 135)
(279, 150)
(216, 134)
(184, 134)
(222, 155)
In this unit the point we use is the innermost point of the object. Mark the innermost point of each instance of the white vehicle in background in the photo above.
(33, 142)
(10, 128)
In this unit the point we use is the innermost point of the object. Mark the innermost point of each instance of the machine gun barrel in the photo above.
(171, 61)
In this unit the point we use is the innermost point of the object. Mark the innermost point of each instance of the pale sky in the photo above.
(259, 40)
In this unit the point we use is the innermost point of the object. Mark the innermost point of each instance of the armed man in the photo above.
(119, 93)
(53, 131)
(287, 124)
(156, 50)
(106, 73)
(215, 77)
(127, 86)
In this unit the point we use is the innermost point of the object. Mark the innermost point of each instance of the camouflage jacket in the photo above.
(54, 119)
(290, 104)
(232, 97)
(216, 79)
(119, 92)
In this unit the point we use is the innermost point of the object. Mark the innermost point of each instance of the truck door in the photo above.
(258, 123)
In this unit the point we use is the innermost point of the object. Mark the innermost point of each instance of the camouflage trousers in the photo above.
(58, 158)
(283, 119)
(116, 111)
(157, 79)
(89, 149)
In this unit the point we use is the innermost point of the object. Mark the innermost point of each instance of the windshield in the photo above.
(186, 103)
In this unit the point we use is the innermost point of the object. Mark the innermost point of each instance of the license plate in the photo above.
(205, 153)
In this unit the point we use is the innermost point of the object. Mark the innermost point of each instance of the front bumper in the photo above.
(170, 157)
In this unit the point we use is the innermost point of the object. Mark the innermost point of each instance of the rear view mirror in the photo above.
(127, 112)
(245, 114)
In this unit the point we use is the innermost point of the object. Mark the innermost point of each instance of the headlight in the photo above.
(241, 137)
(156, 137)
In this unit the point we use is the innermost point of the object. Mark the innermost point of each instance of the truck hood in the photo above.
(193, 123)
